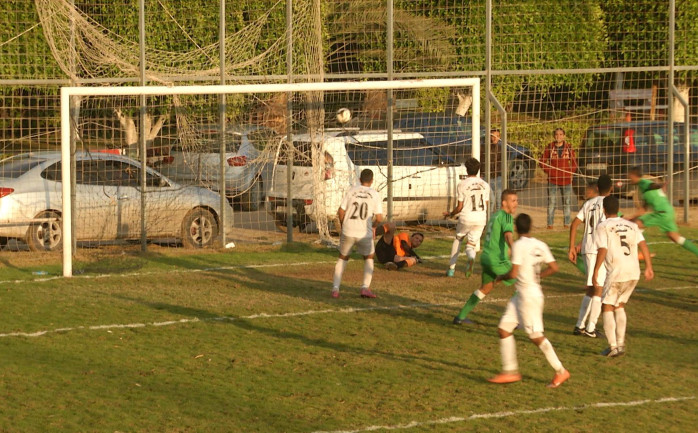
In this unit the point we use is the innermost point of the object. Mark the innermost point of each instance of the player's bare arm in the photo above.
(377, 219)
(340, 215)
(509, 238)
(572, 253)
(455, 211)
(649, 272)
(551, 268)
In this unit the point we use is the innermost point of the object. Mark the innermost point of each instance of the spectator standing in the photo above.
(559, 163)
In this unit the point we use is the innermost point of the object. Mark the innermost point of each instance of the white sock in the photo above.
(470, 251)
(583, 311)
(368, 273)
(507, 346)
(621, 322)
(609, 326)
(338, 271)
(455, 252)
(479, 294)
(681, 240)
(551, 356)
(594, 313)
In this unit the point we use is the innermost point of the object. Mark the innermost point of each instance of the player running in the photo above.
(360, 211)
(526, 306)
(473, 199)
(617, 240)
(590, 215)
(495, 256)
(660, 212)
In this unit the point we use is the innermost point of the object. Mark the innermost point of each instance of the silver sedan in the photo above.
(107, 203)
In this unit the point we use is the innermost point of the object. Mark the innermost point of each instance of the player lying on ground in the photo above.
(590, 215)
(495, 255)
(361, 210)
(659, 211)
(396, 250)
(526, 306)
(617, 240)
(473, 199)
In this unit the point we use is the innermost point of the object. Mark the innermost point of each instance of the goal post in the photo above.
(240, 89)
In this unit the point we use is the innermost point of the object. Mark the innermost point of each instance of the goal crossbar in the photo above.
(67, 92)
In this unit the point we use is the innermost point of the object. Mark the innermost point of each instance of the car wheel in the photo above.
(46, 236)
(4, 241)
(199, 229)
(519, 174)
(252, 198)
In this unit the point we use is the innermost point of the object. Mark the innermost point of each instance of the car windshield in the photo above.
(16, 166)
(599, 139)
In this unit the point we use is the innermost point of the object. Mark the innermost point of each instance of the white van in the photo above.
(424, 181)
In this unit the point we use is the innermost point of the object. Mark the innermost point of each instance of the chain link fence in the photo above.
(208, 170)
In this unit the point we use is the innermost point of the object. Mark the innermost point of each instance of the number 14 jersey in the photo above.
(475, 195)
(360, 204)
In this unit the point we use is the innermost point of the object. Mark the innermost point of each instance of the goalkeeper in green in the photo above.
(659, 211)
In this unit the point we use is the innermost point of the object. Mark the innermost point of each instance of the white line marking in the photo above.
(279, 315)
(459, 419)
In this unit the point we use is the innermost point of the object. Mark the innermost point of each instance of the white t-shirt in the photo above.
(620, 238)
(360, 204)
(591, 214)
(475, 195)
(529, 254)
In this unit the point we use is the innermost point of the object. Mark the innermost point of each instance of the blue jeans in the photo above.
(496, 193)
(566, 191)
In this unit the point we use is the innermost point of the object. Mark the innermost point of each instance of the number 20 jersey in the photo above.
(620, 238)
(360, 204)
(475, 195)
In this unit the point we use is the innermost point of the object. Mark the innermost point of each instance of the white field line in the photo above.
(347, 310)
(222, 268)
(458, 419)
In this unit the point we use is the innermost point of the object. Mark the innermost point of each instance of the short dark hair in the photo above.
(493, 130)
(611, 205)
(559, 129)
(507, 192)
(418, 234)
(593, 184)
(472, 166)
(605, 183)
(523, 224)
(637, 171)
(366, 175)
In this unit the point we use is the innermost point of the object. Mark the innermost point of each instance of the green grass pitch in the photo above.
(250, 341)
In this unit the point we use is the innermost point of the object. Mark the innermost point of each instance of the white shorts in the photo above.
(618, 293)
(473, 233)
(528, 312)
(364, 246)
(590, 262)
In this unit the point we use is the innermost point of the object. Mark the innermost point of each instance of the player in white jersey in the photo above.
(591, 214)
(361, 210)
(617, 240)
(473, 199)
(526, 306)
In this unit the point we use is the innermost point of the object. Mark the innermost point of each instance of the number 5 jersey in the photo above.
(620, 238)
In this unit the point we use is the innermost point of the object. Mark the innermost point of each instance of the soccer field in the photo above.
(250, 340)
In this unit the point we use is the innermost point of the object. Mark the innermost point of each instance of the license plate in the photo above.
(599, 166)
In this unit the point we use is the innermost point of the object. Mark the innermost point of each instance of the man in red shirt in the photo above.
(560, 163)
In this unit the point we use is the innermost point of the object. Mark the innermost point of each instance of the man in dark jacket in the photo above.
(560, 163)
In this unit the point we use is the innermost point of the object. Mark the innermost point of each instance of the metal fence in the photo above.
(609, 73)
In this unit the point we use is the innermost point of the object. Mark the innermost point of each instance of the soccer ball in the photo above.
(343, 115)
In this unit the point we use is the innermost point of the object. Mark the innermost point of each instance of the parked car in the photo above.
(601, 151)
(107, 202)
(453, 135)
(247, 172)
(424, 182)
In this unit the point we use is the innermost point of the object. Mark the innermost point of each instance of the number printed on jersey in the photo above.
(358, 211)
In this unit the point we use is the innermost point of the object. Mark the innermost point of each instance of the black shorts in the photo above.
(385, 252)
